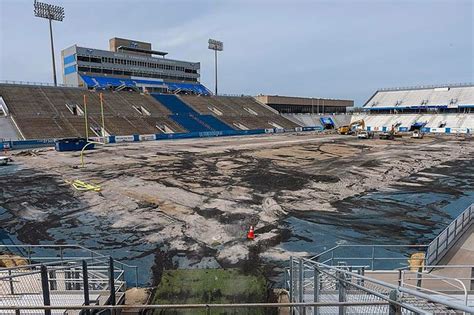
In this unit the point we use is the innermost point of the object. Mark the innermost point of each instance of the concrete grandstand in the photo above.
(39, 112)
(448, 106)
(433, 108)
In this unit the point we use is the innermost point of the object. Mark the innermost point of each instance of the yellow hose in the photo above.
(83, 186)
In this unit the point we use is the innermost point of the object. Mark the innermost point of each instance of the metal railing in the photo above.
(448, 237)
(310, 281)
(73, 282)
(219, 308)
(371, 256)
(13, 82)
(419, 277)
(421, 87)
(62, 252)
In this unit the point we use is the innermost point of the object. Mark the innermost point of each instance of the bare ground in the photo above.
(195, 199)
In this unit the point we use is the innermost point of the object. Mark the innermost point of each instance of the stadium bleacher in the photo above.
(442, 120)
(241, 112)
(58, 112)
(187, 116)
(441, 98)
(446, 106)
(106, 82)
(42, 112)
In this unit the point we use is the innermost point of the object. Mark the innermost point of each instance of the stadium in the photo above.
(134, 188)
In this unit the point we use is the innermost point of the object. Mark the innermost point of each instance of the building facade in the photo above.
(128, 61)
(305, 105)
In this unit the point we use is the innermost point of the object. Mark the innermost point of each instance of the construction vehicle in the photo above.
(4, 160)
(390, 135)
(349, 129)
(364, 134)
(417, 134)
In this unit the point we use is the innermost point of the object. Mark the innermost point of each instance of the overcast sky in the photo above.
(333, 49)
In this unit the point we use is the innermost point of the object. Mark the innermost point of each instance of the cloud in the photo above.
(339, 48)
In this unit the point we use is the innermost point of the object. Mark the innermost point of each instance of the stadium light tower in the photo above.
(216, 46)
(52, 13)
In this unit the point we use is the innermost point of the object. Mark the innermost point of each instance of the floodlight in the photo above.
(216, 46)
(52, 13)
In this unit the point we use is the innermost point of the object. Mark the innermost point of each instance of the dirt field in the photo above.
(192, 201)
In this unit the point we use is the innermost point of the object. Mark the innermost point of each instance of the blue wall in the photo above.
(69, 59)
(70, 69)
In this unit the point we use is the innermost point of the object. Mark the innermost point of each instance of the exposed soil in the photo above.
(191, 202)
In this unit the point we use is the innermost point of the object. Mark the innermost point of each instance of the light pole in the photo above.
(216, 46)
(52, 13)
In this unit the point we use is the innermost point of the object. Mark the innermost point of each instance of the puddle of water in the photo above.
(403, 214)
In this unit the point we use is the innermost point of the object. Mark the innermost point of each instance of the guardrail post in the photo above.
(373, 257)
(317, 284)
(394, 309)
(359, 273)
(136, 276)
(10, 279)
(447, 237)
(111, 282)
(291, 282)
(85, 278)
(455, 227)
(45, 289)
(342, 293)
(419, 277)
(399, 277)
(300, 285)
(29, 254)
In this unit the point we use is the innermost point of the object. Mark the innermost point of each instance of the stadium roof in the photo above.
(152, 52)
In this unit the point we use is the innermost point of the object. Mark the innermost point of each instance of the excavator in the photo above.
(349, 129)
(389, 135)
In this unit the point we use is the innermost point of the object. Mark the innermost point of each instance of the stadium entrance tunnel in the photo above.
(417, 126)
(327, 123)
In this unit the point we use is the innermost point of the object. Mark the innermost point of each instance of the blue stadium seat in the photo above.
(174, 104)
(188, 117)
(190, 123)
(214, 123)
(93, 81)
(190, 87)
(88, 81)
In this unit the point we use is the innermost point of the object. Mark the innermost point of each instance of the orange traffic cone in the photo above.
(251, 234)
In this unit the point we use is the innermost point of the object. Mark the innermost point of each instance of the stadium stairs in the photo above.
(188, 117)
